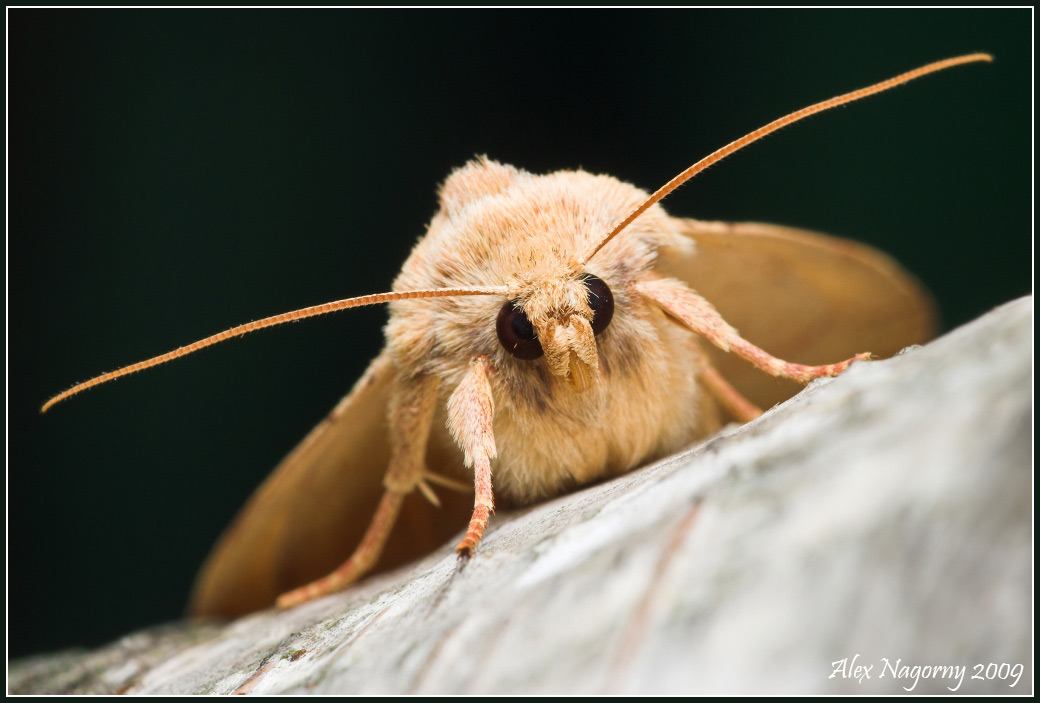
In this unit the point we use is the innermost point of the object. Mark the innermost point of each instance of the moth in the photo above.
(546, 332)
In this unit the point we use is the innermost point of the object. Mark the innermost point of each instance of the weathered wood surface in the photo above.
(884, 514)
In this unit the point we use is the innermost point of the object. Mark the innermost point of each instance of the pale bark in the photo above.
(884, 514)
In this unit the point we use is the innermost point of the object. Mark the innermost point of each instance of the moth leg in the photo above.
(470, 412)
(700, 316)
(447, 482)
(411, 414)
(731, 400)
(429, 477)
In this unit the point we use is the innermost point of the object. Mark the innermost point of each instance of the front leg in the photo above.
(411, 407)
(701, 316)
(470, 412)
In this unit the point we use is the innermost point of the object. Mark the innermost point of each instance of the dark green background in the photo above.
(172, 173)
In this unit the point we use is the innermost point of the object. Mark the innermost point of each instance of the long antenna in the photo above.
(725, 151)
(284, 317)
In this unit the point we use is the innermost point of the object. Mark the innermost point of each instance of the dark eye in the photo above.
(515, 332)
(601, 300)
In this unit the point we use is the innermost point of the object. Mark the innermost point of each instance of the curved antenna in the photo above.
(733, 146)
(284, 317)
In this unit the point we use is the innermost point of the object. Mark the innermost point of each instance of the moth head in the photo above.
(559, 319)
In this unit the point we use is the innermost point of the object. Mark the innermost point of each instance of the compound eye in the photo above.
(601, 300)
(516, 333)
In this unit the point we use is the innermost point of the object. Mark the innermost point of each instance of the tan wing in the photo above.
(311, 512)
(802, 296)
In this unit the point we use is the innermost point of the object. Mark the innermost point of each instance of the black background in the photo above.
(173, 173)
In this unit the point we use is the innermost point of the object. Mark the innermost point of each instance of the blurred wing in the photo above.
(310, 514)
(802, 296)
